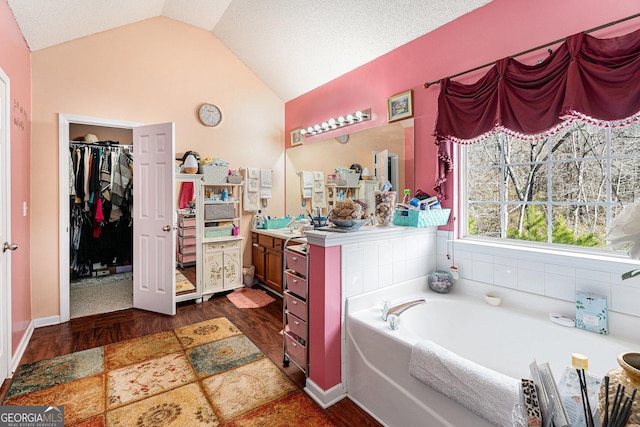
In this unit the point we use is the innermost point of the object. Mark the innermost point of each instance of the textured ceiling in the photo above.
(293, 46)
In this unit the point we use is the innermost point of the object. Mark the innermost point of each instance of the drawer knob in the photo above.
(297, 323)
(294, 302)
(294, 258)
(295, 281)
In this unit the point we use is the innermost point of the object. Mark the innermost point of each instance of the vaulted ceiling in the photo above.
(293, 46)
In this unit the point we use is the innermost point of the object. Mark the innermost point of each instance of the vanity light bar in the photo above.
(331, 124)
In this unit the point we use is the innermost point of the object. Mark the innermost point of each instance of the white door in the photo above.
(5, 229)
(154, 243)
(381, 166)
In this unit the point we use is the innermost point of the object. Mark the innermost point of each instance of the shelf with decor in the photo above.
(221, 241)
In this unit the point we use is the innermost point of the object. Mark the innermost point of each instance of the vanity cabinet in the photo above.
(268, 256)
(222, 266)
(295, 305)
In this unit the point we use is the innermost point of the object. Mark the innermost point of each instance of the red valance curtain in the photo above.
(594, 80)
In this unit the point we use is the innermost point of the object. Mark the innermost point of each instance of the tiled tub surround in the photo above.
(344, 265)
(545, 280)
(491, 342)
(348, 264)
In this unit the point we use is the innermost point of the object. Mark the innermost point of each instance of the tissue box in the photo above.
(591, 313)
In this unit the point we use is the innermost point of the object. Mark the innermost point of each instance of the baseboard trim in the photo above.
(325, 398)
(22, 347)
(46, 321)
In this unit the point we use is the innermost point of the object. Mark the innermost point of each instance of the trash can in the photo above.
(247, 276)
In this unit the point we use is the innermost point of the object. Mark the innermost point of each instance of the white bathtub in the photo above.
(499, 338)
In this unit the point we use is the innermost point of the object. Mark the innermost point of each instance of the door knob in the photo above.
(166, 228)
(9, 246)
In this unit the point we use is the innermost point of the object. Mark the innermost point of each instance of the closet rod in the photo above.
(609, 24)
(98, 144)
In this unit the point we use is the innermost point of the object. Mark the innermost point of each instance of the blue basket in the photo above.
(420, 218)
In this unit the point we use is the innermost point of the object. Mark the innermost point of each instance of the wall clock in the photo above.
(342, 139)
(210, 115)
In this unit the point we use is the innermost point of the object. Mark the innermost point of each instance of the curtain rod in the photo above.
(428, 84)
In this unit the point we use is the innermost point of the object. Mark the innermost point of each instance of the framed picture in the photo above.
(400, 106)
(296, 137)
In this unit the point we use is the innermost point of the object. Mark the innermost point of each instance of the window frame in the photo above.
(547, 247)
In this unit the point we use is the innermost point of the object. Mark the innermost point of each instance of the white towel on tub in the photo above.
(483, 391)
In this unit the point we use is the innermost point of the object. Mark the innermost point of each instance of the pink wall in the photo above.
(502, 28)
(499, 29)
(15, 61)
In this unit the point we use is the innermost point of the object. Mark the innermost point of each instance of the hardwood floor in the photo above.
(261, 325)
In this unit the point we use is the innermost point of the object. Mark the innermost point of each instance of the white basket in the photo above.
(347, 179)
(214, 174)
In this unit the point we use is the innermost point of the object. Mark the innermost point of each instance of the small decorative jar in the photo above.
(627, 375)
(441, 281)
(385, 204)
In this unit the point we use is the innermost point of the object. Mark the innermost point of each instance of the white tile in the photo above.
(399, 271)
(385, 276)
(411, 247)
(625, 299)
(505, 275)
(531, 281)
(560, 286)
(353, 283)
(600, 276)
(465, 268)
(531, 265)
(593, 286)
(353, 258)
(482, 258)
(385, 252)
(482, 271)
(399, 250)
(501, 260)
(370, 255)
(560, 269)
(371, 278)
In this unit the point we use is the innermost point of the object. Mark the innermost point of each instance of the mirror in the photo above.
(325, 155)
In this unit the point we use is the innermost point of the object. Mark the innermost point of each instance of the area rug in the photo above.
(206, 374)
(249, 298)
(183, 285)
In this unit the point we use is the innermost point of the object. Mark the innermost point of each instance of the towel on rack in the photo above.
(483, 391)
(251, 196)
(319, 199)
(186, 194)
(265, 178)
(253, 173)
(306, 184)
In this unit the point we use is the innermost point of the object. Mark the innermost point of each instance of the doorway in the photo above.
(69, 125)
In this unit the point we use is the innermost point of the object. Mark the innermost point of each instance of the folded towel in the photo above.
(253, 172)
(265, 178)
(483, 391)
(306, 184)
(319, 199)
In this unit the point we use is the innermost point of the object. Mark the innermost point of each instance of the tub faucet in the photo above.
(397, 310)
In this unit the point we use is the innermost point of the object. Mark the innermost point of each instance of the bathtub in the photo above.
(497, 337)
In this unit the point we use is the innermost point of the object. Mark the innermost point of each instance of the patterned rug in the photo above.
(183, 285)
(206, 374)
(249, 298)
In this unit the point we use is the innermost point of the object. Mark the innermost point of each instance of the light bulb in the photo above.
(359, 115)
(325, 125)
(350, 118)
(332, 122)
(341, 120)
(303, 131)
(316, 128)
(310, 129)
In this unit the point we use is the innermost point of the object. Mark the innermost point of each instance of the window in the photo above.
(561, 190)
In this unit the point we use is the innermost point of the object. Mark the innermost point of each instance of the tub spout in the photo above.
(400, 308)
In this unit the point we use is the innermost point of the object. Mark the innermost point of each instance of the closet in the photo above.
(100, 220)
